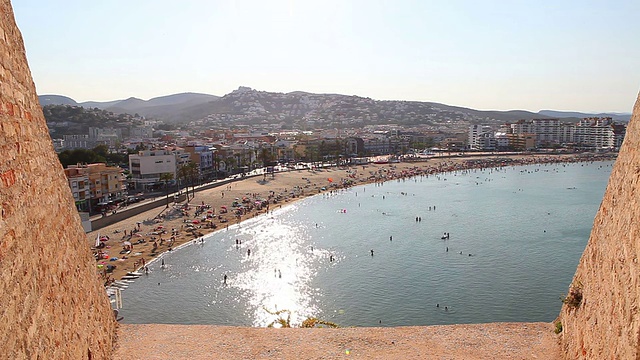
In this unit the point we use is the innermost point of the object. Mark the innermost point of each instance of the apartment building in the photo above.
(95, 184)
(148, 165)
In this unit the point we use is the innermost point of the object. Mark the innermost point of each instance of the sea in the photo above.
(374, 255)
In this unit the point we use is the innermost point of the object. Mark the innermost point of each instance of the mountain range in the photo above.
(246, 105)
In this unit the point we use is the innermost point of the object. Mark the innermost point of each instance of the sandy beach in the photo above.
(133, 242)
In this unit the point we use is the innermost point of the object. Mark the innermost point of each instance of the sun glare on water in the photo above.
(277, 273)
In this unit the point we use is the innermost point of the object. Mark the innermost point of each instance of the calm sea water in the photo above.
(525, 227)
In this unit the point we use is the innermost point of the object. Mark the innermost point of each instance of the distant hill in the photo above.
(573, 114)
(163, 107)
(55, 100)
(167, 108)
(99, 104)
(303, 109)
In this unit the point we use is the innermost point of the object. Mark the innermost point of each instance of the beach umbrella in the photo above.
(160, 227)
(138, 235)
(126, 243)
(223, 207)
(209, 211)
(195, 221)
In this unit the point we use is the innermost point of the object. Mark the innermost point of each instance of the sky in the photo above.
(488, 54)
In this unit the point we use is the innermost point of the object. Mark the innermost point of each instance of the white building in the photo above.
(501, 140)
(547, 131)
(477, 138)
(595, 133)
(141, 132)
(147, 166)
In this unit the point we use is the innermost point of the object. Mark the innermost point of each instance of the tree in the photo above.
(188, 173)
(230, 163)
(265, 156)
(166, 177)
(82, 156)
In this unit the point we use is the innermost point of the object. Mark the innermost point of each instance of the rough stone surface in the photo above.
(451, 342)
(58, 311)
(606, 323)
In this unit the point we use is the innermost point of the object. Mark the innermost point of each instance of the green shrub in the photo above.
(574, 298)
(558, 329)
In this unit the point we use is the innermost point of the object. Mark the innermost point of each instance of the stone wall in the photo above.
(52, 304)
(603, 321)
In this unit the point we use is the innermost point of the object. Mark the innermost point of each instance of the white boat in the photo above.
(134, 273)
(130, 277)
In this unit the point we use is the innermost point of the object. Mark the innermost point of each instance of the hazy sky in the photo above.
(485, 54)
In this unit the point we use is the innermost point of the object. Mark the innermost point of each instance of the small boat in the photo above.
(134, 273)
(130, 277)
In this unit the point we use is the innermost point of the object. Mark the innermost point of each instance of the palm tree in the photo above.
(166, 177)
(188, 173)
(265, 156)
(230, 163)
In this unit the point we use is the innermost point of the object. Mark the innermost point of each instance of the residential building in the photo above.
(98, 183)
(148, 165)
(522, 142)
(78, 142)
(141, 132)
(594, 133)
(202, 156)
(79, 184)
(478, 138)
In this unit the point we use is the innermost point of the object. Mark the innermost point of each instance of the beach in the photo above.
(134, 242)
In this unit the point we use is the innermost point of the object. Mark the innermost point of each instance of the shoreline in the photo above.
(283, 189)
